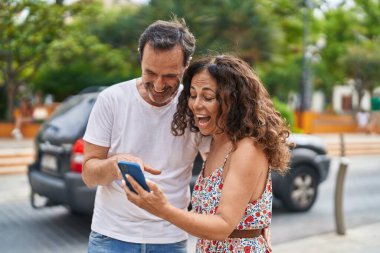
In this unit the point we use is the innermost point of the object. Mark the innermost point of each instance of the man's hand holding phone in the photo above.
(130, 158)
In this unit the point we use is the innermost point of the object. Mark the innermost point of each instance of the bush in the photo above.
(286, 113)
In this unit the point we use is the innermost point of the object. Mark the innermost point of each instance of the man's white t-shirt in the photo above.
(123, 121)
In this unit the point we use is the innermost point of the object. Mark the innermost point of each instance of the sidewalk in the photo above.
(15, 155)
(10, 143)
(361, 239)
(354, 144)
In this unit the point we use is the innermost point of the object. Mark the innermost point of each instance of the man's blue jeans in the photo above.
(99, 243)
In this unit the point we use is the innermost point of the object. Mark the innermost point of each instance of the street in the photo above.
(55, 230)
(24, 229)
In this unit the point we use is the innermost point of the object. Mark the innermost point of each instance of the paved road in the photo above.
(24, 229)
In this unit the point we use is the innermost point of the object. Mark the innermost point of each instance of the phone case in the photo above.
(135, 171)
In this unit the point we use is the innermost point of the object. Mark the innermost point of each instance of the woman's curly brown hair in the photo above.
(249, 111)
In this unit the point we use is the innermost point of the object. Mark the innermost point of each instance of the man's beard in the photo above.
(161, 97)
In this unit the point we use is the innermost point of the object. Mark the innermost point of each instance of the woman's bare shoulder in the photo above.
(249, 153)
(248, 145)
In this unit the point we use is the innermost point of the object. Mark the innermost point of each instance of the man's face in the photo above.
(161, 74)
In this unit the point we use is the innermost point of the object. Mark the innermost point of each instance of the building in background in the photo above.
(346, 99)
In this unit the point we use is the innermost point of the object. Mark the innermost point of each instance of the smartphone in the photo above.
(135, 171)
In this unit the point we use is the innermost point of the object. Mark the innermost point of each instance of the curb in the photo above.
(15, 156)
(16, 152)
(13, 170)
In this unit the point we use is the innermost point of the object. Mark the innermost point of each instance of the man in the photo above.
(131, 121)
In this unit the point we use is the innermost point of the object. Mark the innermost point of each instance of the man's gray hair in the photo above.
(165, 35)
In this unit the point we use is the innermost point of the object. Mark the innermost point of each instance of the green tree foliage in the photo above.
(286, 113)
(244, 28)
(352, 40)
(267, 34)
(100, 45)
(78, 61)
(338, 27)
(282, 73)
(27, 29)
(280, 78)
(369, 11)
(363, 65)
(120, 27)
(363, 58)
(91, 54)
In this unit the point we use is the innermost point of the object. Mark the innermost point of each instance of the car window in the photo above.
(67, 105)
(70, 119)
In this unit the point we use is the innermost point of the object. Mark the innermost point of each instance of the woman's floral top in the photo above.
(257, 215)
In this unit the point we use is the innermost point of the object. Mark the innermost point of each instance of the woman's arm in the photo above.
(248, 168)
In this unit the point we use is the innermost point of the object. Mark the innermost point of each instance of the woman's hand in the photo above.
(155, 202)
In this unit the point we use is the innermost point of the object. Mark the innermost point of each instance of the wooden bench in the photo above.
(311, 122)
(29, 130)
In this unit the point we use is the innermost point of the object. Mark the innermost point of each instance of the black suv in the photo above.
(56, 173)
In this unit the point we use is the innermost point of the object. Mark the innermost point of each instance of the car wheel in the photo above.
(300, 188)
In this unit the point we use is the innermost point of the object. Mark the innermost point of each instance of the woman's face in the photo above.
(203, 103)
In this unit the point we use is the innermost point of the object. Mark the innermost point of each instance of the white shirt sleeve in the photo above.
(99, 127)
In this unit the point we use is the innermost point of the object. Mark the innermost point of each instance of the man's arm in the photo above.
(99, 169)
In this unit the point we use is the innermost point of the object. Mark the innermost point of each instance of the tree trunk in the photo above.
(360, 98)
(11, 85)
(359, 88)
(11, 94)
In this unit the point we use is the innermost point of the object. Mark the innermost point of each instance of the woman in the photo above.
(232, 198)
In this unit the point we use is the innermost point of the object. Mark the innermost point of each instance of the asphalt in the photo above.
(360, 239)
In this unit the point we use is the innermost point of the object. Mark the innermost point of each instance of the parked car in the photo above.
(56, 172)
(309, 167)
